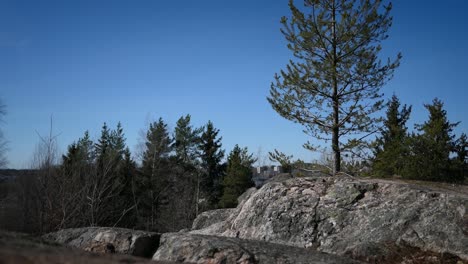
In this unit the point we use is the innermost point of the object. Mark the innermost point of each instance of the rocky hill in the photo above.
(369, 220)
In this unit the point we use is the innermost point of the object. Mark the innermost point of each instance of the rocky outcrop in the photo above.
(19, 248)
(210, 218)
(223, 250)
(108, 240)
(369, 220)
(218, 216)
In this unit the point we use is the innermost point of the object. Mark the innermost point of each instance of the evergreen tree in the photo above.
(430, 150)
(391, 150)
(186, 139)
(71, 160)
(77, 174)
(238, 176)
(117, 142)
(79, 158)
(108, 183)
(154, 179)
(332, 87)
(126, 198)
(211, 155)
(462, 148)
(102, 146)
(86, 146)
(158, 144)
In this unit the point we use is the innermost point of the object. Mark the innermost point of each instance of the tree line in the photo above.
(98, 183)
(431, 152)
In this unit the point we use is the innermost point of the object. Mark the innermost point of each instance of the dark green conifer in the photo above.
(186, 140)
(238, 176)
(391, 150)
(430, 150)
(212, 171)
(154, 180)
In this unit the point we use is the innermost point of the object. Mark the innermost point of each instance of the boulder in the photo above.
(218, 216)
(212, 217)
(18, 248)
(224, 250)
(108, 240)
(369, 220)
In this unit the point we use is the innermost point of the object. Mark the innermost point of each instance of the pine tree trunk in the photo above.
(336, 151)
(336, 102)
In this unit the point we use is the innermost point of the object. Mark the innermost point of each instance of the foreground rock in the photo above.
(19, 248)
(370, 220)
(108, 240)
(223, 250)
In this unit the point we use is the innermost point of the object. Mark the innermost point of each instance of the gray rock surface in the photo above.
(369, 220)
(108, 240)
(223, 250)
(212, 217)
(218, 216)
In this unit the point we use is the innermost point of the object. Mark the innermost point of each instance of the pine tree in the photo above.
(430, 150)
(284, 160)
(186, 139)
(391, 150)
(332, 87)
(211, 155)
(238, 176)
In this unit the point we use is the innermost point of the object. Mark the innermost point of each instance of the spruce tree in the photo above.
(71, 161)
(332, 86)
(238, 176)
(154, 180)
(391, 150)
(211, 155)
(431, 149)
(461, 149)
(186, 139)
(86, 146)
(101, 148)
(158, 145)
(117, 142)
(127, 196)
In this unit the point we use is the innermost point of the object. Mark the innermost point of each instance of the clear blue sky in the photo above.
(87, 62)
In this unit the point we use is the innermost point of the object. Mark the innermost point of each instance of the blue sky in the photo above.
(88, 62)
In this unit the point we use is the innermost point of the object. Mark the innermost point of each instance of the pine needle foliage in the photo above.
(332, 86)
